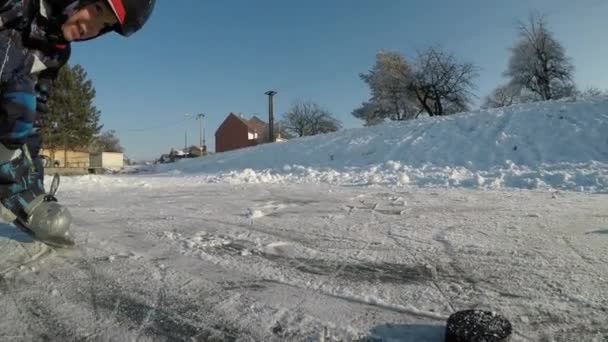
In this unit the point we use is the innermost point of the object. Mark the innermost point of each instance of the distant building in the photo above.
(237, 132)
(60, 158)
(106, 161)
(190, 152)
(197, 151)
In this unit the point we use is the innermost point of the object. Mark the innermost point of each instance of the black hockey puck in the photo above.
(477, 326)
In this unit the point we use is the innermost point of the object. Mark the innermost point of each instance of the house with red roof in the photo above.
(237, 132)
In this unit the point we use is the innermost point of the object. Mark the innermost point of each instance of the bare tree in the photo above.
(538, 62)
(280, 130)
(592, 92)
(437, 84)
(503, 96)
(391, 97)
(307, 118)
(106, 142)
(441, 84)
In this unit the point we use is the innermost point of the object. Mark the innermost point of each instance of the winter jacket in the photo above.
(32, 50)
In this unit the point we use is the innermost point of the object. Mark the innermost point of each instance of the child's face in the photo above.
(88, 21)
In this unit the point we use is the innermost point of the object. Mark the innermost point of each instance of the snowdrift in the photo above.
(547, 145)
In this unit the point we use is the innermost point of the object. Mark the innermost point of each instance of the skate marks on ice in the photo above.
(323, 264)
(343, 280)
(84, 299)
(171, 307)
(402, 333)
(537, 280)
(296, 256)
(525, 253)
(386, 332)
(310, 283)
(117, 312)
(19, 252)
(289, 255)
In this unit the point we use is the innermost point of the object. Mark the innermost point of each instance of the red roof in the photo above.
(257, 125)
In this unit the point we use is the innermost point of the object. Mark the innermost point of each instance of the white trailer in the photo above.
(106, 161)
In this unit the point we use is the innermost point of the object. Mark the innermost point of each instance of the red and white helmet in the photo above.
(131, 14)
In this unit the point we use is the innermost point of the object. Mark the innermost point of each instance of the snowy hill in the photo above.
(548, 145)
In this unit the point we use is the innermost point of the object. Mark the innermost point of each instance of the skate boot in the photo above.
(25, 203)
(47, 220)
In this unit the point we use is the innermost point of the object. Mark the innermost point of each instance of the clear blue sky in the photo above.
(218, 57)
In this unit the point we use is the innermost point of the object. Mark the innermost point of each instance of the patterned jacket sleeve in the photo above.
(17, 98)
(43, 87)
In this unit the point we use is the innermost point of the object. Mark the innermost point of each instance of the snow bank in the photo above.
(546, 145)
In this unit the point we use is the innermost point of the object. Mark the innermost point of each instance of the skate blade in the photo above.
(59, 242)
(55, 241)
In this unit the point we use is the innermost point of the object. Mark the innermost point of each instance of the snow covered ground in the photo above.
(375, 234)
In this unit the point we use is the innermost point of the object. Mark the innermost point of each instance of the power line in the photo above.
(163, 126)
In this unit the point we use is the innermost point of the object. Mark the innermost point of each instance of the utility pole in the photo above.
(202, 132)
(271, 95)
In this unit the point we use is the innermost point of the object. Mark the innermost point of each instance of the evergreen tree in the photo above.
(72, 121)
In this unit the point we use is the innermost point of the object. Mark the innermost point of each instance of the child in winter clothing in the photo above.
(35, 37)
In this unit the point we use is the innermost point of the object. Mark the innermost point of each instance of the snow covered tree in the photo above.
(538, 62)
(391, 98)
(306, 118)
(502, 96)
(442, 85)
